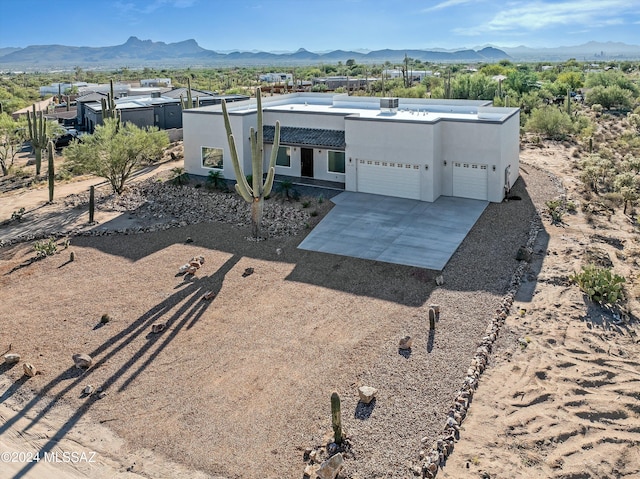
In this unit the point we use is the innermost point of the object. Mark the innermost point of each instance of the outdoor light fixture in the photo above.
(445, 162)
(494, 167)
(426, 167)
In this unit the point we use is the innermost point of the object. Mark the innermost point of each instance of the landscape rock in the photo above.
(367, 394)
(88, 389)
(331, 467)
(439, 280)
(12, 358)
(157, 328)
(82, 361)
(29, 370)
(311, 471)
(524, 254)
(405, 343)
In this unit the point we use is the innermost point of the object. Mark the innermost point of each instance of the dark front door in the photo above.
(306, 159)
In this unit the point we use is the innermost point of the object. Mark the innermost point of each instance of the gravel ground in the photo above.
(256, 370)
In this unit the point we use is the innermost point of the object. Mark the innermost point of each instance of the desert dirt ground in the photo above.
(239, 386)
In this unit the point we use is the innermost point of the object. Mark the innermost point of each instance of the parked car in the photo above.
(65, 138)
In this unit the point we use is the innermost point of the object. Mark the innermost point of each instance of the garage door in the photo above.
(470, 180)
(389, 178)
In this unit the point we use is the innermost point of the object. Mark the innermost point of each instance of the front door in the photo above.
(306, 159)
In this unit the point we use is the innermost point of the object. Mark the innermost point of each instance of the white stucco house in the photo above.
(410, 148)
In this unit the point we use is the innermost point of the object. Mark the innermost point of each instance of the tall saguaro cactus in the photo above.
(109, 104)
(50, 171)
(37, 126)
(188, 102)
(255, 193)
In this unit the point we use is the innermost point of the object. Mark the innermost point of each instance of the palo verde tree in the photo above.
(115, 151)
(255, 193)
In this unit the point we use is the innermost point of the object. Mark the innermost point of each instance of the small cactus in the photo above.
(105, 319)
(336, 418)
(432, 319)
(51, 173)
(72, 257)
(92, 203)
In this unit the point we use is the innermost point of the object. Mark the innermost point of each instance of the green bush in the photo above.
(550, 122)
(600, 284)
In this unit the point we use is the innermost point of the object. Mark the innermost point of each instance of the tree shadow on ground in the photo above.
(179, 311)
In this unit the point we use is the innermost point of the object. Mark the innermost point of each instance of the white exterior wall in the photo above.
(207, 129)
(388, 141)
(304, 120)
(511, 147)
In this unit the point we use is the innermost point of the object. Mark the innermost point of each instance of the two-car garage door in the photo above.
(389, 178)
(403, 179)
(470, 180)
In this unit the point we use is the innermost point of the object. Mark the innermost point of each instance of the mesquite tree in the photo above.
(255, 193)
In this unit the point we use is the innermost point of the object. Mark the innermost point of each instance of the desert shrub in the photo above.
(179, 176)
(600, 284)
(17, 215)
(306, 203)
(215, 180)
(550, 122)
(555, 208)
(596, 108)
(45, 248)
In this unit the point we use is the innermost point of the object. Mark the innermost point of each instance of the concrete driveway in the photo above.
(395, 230)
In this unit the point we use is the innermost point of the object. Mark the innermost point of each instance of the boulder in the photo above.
(157, 328)
(524, 254)
(405, 343)
(367, 394)
(82, 361)
(11, 358)
(330, 468)
(29, 370)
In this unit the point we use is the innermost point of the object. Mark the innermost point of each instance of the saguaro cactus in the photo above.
(336, 418)
(188, 102)
(255, 193)
(109, 104)
(50, 171)
(37, 135)
(568, 101)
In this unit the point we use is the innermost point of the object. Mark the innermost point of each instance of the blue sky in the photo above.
(286, 25)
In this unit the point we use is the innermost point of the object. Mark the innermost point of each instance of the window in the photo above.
(336, 161)
(212, 157)
(284, 156)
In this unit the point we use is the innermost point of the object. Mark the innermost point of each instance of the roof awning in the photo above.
(313, 137)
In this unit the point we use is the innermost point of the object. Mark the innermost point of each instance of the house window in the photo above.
(284, 156)
(212, 157)
(336, 161)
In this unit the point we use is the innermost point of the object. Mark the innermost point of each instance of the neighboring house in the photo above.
(154, 109)
(410, 148)
(276, 77)
(156, 82)
(348, 83)
(416, 75)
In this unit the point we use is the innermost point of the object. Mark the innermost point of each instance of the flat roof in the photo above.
(420, 110)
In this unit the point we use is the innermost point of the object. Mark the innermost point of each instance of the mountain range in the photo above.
(138, 53)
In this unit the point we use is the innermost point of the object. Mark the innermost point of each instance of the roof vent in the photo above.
(155, 94)
(389, 105)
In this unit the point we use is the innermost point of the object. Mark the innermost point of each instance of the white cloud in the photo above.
(520, 16)
(446, 4)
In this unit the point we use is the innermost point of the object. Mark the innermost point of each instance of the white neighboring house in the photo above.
(410, 148)
(276, 77)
